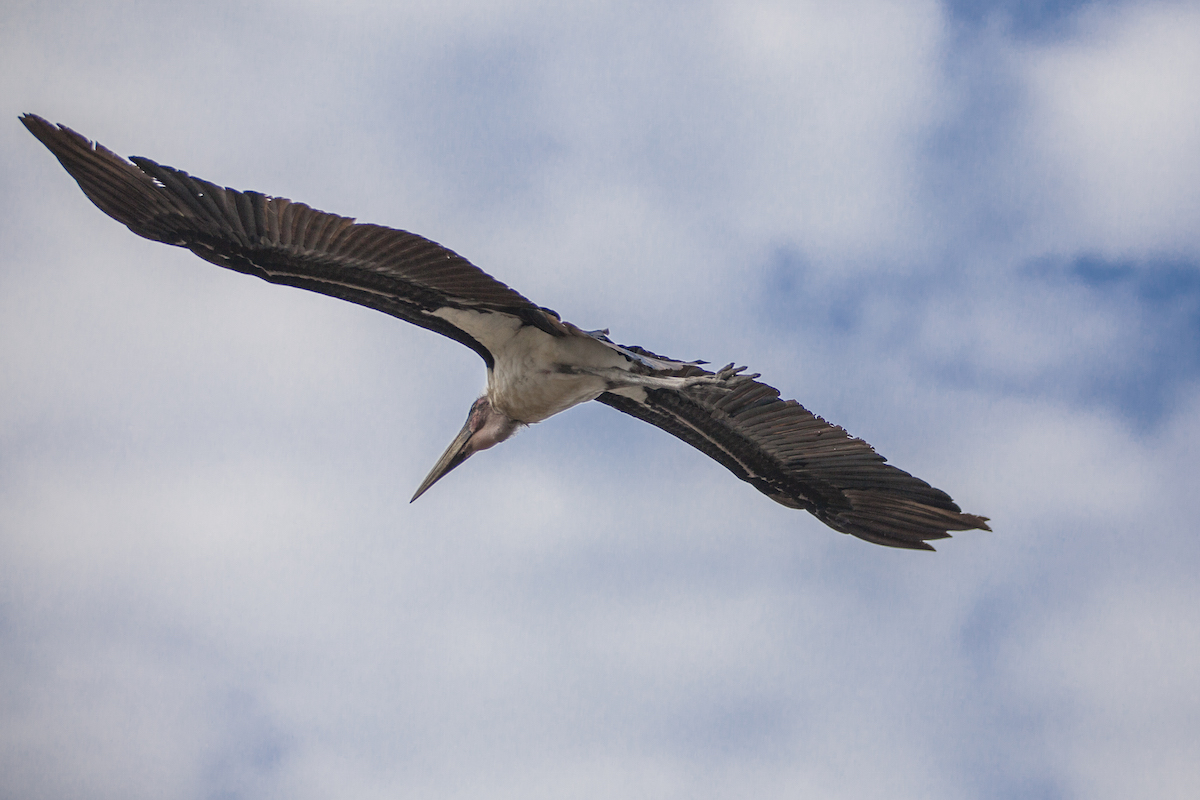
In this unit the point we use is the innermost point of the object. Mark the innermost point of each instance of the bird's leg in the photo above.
(616, 378)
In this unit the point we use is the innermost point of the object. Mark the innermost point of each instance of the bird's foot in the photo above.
(727, 376)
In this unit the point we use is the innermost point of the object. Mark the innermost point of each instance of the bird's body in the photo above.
(537, 364)
(538, 375)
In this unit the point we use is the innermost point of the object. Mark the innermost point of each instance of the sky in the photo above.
(968, 232)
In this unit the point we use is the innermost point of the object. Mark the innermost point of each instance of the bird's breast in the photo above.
(537, 375)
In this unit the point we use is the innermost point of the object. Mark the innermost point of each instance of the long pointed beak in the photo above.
(455, 454)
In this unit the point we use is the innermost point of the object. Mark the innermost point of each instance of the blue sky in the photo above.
(967, 232)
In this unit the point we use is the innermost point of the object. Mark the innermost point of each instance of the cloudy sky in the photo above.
(969, 232)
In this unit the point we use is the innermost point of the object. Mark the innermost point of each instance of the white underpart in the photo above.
(537, 375)
(637, 393)
(490, 329)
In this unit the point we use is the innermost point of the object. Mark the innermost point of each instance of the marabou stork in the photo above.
(537, 364)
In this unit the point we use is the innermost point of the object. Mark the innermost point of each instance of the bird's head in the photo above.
(485, 427)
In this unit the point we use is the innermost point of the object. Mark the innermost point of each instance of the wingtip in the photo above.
(882, 519)
(36, 123)
(58, 138)
(33, 123)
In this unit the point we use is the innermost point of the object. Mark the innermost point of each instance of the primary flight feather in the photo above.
(537, 364)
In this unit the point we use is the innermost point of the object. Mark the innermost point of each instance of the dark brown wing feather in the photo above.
(800, 460)
(390, 270)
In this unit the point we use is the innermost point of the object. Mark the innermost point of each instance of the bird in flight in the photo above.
(537, 363)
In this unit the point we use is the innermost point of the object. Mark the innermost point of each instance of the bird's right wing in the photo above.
(798, 459)
(390, 270)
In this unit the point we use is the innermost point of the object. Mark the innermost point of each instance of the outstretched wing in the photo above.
(798, 459)
(393, 271)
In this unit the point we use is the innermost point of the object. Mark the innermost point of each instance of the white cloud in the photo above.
(207, 558)
(1115, 131)
(829, 107)
(1121, 668)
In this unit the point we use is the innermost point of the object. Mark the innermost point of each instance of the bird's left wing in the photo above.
(392, 271)
(796, 458)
